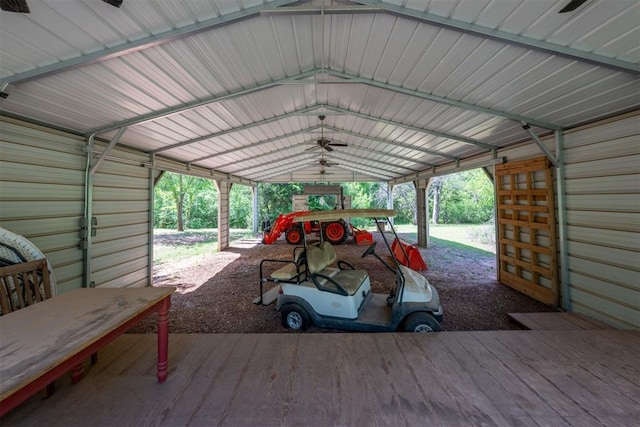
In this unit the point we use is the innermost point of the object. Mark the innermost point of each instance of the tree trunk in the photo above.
(436, 186)
(180, 205)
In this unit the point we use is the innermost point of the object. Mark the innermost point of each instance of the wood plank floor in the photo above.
(551, 378)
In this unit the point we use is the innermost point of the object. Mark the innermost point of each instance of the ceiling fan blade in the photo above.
(338, 144)
(327, 147)
(572, 5)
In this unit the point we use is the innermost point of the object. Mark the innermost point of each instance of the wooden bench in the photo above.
(44, 341)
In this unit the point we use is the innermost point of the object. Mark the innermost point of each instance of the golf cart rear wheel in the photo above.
(335, 232)
(295, 317)
(421, 322)
(294, 236)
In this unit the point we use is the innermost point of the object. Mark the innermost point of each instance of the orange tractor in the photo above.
(334, 232)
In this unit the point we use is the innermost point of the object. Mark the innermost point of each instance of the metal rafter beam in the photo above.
(353, 164)
(255, 144)
(166, 112)
(364, 161)
(307, 111)
(412, 128)
(352, 79)
(443, 100)
(141, 44)
(226, 132)
(271, 165)
(305, 143)
(394, 143)
(368, 172)
(264, 155)
(513, 39)
(280, 171)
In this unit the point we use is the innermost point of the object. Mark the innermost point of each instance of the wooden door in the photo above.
(526, 222)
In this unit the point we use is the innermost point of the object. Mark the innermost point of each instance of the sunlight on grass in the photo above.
(480, 236)
(172, 245)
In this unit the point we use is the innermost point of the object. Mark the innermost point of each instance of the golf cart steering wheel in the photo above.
(370, 250)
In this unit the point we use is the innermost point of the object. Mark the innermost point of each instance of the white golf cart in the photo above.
(310, 291)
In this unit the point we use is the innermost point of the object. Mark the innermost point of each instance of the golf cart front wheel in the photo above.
(295, 317)
(421, 322)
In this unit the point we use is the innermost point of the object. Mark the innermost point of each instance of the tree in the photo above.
(241, 206)
(404, 202)
(435, 189)
(465, 198)
(181, 198)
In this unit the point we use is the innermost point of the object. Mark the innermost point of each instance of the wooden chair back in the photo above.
(23, 284)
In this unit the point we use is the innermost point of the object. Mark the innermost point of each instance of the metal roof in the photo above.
(237, 86)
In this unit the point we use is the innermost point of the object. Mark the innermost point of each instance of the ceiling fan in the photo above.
(323, 142)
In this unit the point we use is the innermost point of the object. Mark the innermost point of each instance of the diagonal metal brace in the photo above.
(542, 147)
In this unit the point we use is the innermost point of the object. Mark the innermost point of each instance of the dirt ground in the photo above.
(215, 292)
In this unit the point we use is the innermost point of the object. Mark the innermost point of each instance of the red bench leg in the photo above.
(76, 372)
(163, 340)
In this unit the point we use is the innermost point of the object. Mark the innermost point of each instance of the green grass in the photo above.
(177, 246)
(461, 236)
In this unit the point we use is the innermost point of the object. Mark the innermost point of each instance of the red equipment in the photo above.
(362, 237)
(335, 232)
(408, 255)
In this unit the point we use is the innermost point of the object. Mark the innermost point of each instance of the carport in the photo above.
(97, 101)
(98, 98)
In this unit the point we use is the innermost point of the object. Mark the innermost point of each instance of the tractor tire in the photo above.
(294, 236)
(335, 232)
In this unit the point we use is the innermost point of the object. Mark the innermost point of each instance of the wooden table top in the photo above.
(37, 338)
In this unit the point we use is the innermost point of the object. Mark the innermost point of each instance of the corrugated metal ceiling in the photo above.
(237, 86)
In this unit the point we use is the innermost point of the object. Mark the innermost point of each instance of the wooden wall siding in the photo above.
(603, 200)
(42, 193)
(527, 229)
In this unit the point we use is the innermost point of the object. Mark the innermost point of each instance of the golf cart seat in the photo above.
(331, 279)
(292, 270)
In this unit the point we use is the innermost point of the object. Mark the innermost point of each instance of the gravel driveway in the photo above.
(215, 292)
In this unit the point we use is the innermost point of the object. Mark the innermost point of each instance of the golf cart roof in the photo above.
(336, 214)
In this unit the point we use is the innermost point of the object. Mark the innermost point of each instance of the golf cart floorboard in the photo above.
(268, 297)
(376, 311)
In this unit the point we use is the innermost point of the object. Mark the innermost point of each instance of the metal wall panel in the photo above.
(120, 252)
(42, 198)
(604, 220)
(41, 194)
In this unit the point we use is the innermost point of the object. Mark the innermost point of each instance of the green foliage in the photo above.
(466, 198)
(404, 202)
(241, 206)
(275, 199)
(193, 199)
